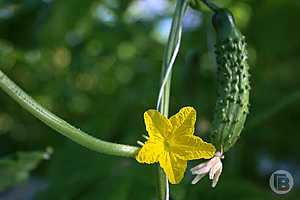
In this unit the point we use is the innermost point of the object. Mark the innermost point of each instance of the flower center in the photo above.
(167, 145)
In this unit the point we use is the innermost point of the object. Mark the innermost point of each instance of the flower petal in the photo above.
(198, 178)
(150, 152)
(215, 168)
(173, 166)
(203, 170)
(201, 166)
(191, 148)
(157, 125)
(216, 177)
(184, 121)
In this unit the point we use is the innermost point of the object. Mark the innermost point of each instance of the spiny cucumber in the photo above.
(232, 106)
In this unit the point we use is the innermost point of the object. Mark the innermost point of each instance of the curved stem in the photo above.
(195, 4)
(211, 5)
(62, 126)
(168, 60)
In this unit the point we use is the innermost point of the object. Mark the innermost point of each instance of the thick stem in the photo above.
(62, 126)
(196, 5)
(173, 41)
(211, 5)
(162, 184)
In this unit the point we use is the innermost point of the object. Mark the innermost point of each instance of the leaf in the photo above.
(16, 170)
(75, 171)
(79, 174)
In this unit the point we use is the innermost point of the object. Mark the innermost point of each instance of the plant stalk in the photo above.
(173, 41)
(211, 5)
(62, 126)
(196, 5)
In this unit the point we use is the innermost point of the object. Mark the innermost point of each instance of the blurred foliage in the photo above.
(97, 65)
(15, 170)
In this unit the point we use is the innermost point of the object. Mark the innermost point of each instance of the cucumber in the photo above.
(232, 106)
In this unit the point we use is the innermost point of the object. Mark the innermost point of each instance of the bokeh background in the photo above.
(97, 65)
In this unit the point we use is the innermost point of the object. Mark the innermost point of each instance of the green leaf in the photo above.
(16, 169)
(79, 174)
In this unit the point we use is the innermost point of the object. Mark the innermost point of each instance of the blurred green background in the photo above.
(97, 65)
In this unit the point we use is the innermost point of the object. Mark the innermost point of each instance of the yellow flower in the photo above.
(171, 142)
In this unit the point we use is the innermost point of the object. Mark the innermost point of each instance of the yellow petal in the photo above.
(150, 152)
(173, 166)
(184, 121)
(157, 125)
(191, 148)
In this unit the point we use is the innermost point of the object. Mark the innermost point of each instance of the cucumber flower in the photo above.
(172, 142)
(213, 167)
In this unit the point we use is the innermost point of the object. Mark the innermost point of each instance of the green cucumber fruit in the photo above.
(232, 106)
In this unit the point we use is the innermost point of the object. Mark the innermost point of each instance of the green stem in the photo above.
(162, 184)
(211, 5)
(164, 106)
(196, 5)
(62, 126)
